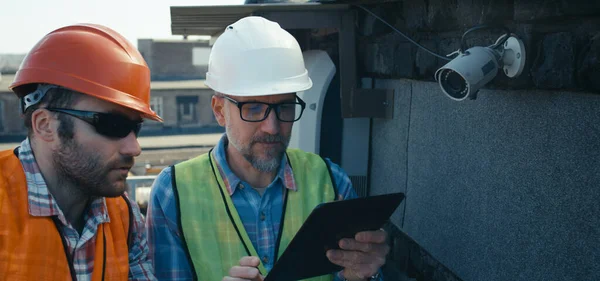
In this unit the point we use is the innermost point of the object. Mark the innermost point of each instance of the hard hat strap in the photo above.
(36, 96)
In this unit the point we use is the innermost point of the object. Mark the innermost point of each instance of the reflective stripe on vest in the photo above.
(31, 248)
(213, 233)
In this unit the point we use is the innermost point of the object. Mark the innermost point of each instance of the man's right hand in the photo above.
(247, 270)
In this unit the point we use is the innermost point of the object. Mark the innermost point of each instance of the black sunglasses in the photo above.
(254, 111)
(107, 124)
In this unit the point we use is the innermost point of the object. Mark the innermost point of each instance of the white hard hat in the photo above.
(256, 57)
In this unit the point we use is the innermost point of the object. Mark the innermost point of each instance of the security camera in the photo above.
(472, 69)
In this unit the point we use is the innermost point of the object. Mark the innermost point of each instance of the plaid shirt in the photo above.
(42, 204)
(166, 249)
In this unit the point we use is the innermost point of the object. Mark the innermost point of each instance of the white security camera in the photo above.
(463, 76)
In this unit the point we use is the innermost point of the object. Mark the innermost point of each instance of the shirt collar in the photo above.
(285, 173)
(41, 203)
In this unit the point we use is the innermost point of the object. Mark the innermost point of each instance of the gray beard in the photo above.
(270, 165)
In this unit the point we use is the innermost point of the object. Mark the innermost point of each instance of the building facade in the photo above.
(184, 106)
(11, 124)
(173, 60)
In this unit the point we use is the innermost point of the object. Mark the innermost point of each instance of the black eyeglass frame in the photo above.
(95, 120)
(275, 106)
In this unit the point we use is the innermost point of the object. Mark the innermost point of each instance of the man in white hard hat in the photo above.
(228, 214)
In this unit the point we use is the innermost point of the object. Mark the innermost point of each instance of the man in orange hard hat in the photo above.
(84, 92)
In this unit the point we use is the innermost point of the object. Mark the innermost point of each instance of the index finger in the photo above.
(244, 272)
(250, 261)
(377, 236)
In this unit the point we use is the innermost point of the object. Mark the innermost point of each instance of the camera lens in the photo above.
(454, 84)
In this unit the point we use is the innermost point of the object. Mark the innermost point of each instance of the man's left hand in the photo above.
(362, 256)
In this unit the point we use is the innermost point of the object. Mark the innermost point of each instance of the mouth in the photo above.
(123, 170)
(274, 143)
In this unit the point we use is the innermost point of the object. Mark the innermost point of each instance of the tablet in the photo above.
(328, 223)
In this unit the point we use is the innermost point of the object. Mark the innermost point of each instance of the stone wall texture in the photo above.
(561, 39)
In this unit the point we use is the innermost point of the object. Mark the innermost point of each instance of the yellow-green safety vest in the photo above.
(213, 233)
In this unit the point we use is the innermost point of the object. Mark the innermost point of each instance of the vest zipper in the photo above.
(57, 223)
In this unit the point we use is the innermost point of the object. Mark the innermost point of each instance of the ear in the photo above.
(218, 107)
(44, 125)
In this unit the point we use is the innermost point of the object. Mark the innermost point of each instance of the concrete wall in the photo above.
(504, 187)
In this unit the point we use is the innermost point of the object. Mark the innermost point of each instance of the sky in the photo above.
(24, 22)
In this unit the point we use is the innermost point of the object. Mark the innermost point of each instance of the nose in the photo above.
(130, 146)
(271, 124)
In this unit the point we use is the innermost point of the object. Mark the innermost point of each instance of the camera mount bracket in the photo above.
(513, 57)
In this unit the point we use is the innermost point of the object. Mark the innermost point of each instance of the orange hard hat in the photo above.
(91, 59)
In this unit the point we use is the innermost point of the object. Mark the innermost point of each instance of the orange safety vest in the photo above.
(32, 248)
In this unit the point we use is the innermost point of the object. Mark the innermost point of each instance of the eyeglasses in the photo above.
(254, 111)
(111, 125)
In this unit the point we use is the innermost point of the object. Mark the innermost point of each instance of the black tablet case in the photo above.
(325, 226)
